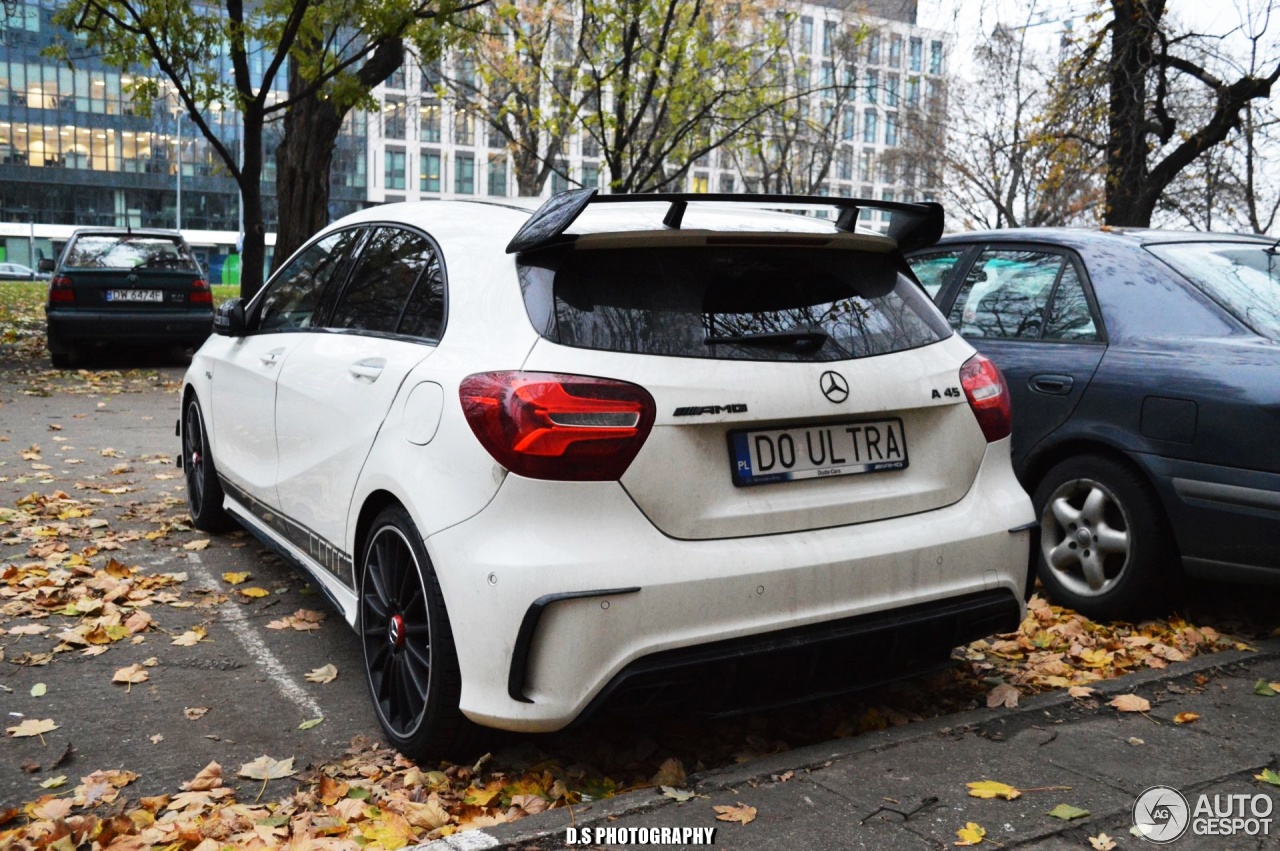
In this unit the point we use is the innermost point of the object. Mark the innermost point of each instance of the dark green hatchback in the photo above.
(118, 286)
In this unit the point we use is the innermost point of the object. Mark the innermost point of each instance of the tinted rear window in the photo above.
(1242, 277)
(129, 252)
(738, 303)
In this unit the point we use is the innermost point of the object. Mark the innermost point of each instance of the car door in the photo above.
(336, 388)
(244, 384)
(1029, 309)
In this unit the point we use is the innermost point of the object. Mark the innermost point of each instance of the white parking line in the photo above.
(234, 618)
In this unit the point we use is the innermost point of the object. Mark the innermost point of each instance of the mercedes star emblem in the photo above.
(834, 387)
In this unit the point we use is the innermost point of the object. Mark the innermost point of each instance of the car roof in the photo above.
(1083, 237)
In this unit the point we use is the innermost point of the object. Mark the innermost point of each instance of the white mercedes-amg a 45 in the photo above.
(627, 451)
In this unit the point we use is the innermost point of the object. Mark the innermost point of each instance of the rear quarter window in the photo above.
(730, 303)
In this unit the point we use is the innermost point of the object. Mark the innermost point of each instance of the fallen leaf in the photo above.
(54, 782)
(265, 768)
(679, 795)
(992, 789)
(1003, 695)
(670, 773)
(1102, 842)
(130, 675)
(1131, 703)
(1262, 688)
(742, 813)
(1066, 812)
(1135, 741)
(39, 690)
(190, 637)
(235, 578)
(210, 777)
(195, 712)
(255, 592)
(309, 723)
(157, 738)
(325, 674)
(1080, 691)
(32, 727)
(970, 834)
(1186, 718)
(197, 546)
(1268, 776)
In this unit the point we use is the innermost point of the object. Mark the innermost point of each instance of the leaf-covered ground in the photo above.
(73, 585)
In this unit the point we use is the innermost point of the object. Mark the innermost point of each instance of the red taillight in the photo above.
(988, 397)
(200, 292)
(61, 292)
(564, 427)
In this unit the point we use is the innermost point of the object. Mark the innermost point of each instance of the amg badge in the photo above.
(710, 409)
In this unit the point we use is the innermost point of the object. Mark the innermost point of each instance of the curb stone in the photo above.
(552, 823)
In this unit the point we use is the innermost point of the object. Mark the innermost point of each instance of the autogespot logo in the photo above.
(1161, 814)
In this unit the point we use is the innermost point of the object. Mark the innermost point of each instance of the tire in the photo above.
(411, 665)
(204, 492)
(1106, 549)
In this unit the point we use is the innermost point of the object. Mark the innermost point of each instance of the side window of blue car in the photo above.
(1021, 294)
(1069, 314)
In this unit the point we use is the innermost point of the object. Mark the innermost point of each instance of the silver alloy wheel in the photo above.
(1084, 536)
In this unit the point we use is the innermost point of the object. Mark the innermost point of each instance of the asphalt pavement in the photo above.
(906, 788)
(251, 679)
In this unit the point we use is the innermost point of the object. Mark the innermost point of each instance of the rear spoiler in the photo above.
(910, 225)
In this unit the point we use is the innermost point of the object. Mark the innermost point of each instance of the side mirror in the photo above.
(45, 264)
(228, 319)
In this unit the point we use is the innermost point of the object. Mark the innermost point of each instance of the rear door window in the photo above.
(389, 266)
(730, 302)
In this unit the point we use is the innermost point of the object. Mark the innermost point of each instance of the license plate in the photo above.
(135, 295)
(817, 451)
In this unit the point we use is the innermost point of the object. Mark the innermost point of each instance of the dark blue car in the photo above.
(1144, 369)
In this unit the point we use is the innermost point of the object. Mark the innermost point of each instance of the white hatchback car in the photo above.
(629, 449)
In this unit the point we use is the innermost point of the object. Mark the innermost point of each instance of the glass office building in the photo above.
(74, 149)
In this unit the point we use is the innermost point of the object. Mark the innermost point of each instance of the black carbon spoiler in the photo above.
(910, 225)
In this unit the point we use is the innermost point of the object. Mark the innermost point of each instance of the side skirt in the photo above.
(342, 597)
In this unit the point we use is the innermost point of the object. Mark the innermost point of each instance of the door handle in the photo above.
(271, 358)
(1053, 385)
(369, 368)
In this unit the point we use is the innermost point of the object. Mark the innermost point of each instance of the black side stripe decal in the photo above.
(328, 556)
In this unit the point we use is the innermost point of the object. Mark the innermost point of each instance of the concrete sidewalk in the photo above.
(827, 796)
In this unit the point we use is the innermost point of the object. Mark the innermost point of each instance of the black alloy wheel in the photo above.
(204, 492)
(410, 662)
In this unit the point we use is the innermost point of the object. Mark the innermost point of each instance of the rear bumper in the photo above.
(559, 539)
(142, 326)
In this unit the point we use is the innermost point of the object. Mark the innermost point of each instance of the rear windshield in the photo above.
(129, 252)
(1243, 277)
(731, 303)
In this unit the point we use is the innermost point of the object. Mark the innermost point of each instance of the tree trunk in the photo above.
(254, 253)
(1130, 201)
(303, 158)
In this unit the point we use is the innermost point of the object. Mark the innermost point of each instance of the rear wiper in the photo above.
(811, 340)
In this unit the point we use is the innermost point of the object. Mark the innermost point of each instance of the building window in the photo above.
(497, 175)
(869, 126)
(806, 34)
(828, 39)
(560, 177)
(886, 195)
(895, 51)
(701, 183)
(935, 57)
(396, 80)
(844, 164)
(464, 174)
(891, 90)
(865, 167)
(464, 126)
(849, 124)
(828, 75)
(916, 56)
(431, 77)
(393, 117)
(590, 147)
(873, 86)
(913, 92)
(873, 49)
(395, 167)
(887, 174)
(429, 177)
(590, 175)
(891, 129)
(727, 183)
(429, 122)
(496, 137)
